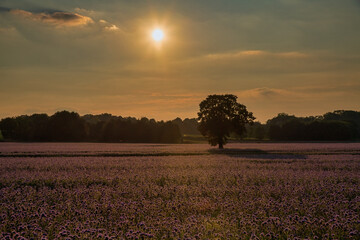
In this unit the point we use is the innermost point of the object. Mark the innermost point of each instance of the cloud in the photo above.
(311, 93)
(81, 17)
(255, 53)
(264, 92)
(108, 26)
(57, 18)
(84, 11)
(3, 9)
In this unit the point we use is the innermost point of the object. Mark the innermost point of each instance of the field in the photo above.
(189, 191)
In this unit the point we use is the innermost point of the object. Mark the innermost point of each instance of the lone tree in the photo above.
(220, 115)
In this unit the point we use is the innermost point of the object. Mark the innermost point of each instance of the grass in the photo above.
(188, 138)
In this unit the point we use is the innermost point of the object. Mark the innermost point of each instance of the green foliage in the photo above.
(221, 115)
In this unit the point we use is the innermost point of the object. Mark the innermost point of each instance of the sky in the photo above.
(299, 57)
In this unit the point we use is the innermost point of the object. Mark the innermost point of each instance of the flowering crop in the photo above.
(284, 191)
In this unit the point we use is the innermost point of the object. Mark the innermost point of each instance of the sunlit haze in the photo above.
(160, 59)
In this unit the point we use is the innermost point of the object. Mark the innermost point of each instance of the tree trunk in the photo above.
(221, 146)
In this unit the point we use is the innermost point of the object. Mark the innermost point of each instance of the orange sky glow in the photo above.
(160, 59)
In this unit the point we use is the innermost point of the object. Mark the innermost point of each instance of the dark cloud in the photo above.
(4, 9)
(264, 92)
(51, 16)
(43, 10)
(62, 16)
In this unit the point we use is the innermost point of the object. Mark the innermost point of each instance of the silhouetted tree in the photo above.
(93, 119)
(255, 131)
(220, 115)
(259, 131)
(339, 125)
(39, 127)
(291, 128)
(66, 126)
(170, 133)
(294, 129)
(96, 130)
(352, 117)
(188, 126)
(275, 132)
(280, 119)
(330, 130)
(9, 128)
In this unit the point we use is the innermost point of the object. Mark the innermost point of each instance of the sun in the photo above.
(158, 35)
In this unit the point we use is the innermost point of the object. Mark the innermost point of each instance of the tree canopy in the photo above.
(221, 115)
(340, 125)
(71, 127)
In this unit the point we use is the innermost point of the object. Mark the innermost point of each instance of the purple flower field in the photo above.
(150, 191)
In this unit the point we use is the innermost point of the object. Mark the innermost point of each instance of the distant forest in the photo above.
(339, 125)
(71, 127)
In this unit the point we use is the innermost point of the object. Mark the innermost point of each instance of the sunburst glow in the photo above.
(158, 35)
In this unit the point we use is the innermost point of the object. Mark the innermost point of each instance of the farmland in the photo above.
(158, 191)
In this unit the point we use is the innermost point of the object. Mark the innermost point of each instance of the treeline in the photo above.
(333, 126)
(339, 125)
(188, 126)
(70, 127)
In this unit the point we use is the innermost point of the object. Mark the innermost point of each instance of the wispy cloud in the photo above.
(255, 53)
(108, 26)
(265, 92)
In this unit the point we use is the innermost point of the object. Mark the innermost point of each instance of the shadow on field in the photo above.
(256, 154)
